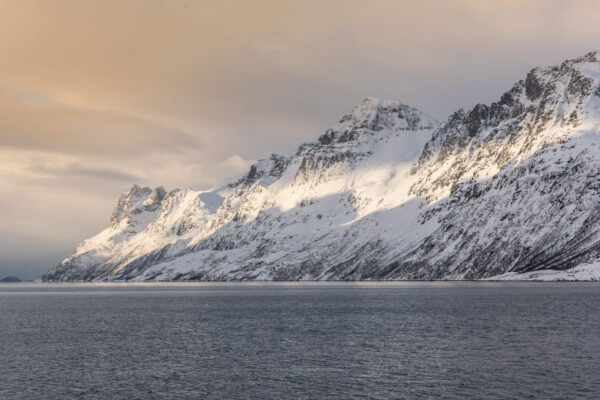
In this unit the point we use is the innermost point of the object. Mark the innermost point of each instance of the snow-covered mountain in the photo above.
(387, 193)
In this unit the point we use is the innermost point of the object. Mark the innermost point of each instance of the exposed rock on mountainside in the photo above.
(387, 193)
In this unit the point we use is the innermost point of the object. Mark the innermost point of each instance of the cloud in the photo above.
(31, 122)
(80, 170)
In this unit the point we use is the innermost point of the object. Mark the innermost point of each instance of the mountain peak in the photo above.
(592, 56)
(376, 114)
(137, 201)
(549, 106)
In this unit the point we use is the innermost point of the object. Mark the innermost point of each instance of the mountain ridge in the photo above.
(386, 193)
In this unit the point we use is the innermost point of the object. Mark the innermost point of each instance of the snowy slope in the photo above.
(387, 193)
(514, 186)
(582, 272)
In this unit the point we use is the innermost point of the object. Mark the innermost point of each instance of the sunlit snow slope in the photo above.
(387, 193)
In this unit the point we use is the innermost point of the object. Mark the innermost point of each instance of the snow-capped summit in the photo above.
(135, 202)
(386, 193)
(551, 105)
(375, 115)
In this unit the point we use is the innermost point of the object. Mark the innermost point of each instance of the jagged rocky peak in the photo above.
(374, 115)
(358, 135)
(350, 139)
(272, 167)
(545, 95)
(542, 80)
(136, 201)
(545, 108)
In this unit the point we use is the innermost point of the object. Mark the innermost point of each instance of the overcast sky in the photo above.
(98, 95)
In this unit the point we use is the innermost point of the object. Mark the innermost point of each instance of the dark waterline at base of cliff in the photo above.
(300, 340)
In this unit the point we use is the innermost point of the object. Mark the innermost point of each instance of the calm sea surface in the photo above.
(291, 341)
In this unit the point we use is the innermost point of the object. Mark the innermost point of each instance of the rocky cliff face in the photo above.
(387, 193)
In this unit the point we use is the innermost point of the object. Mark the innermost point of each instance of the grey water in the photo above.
(293, 341)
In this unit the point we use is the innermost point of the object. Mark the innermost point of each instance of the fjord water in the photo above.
(313, 340)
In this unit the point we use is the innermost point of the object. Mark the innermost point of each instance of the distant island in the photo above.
(10, 279)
